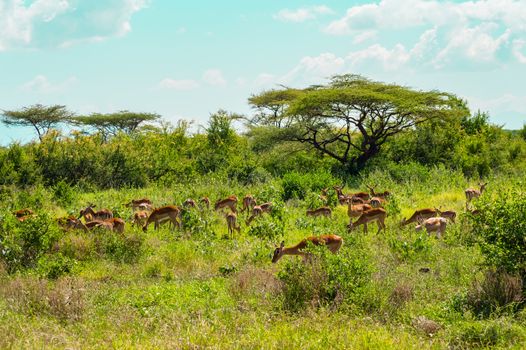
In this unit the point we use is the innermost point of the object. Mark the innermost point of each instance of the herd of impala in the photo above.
(367, 207)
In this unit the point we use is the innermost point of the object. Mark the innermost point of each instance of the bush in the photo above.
(266, 227)
(325, 279)
(297, 185)
(54, 265)
(500, 228)
(125, 249)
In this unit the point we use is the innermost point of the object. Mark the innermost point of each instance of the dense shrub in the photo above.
(325, 279)
(296, 185)
(500, 228)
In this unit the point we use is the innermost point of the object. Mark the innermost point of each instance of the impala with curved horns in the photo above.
(163, 214)
(332, 242)
(372, 215)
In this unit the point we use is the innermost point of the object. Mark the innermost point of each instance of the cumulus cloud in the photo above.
(214, 77)
(182, 84)
(41, 84)
(55, 23)
(302, 14)
(475, 31)
(311, 69)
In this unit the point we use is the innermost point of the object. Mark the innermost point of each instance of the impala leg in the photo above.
(365, 228)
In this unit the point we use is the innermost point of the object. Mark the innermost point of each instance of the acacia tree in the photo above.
(112, 123)
(351, 117)
(40, 117)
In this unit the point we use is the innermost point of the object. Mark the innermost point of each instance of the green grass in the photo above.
(193, 289)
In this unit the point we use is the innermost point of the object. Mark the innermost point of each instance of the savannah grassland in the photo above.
(195, 287)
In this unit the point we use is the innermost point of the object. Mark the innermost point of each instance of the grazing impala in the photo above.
(230, 202)
(354, 211)
(205, 201)
(140, 217)
(435, 224)
(332, 242)
(258, 210)
(231, 221)
(423, 213)
(322, 211)
(24, 214)
(189, 203)
(160, 215)
(474, 193)
(376, 214)
(142, 204)
(90, 215)
(248, 203)
(448, 214)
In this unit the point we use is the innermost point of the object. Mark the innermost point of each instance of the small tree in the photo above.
(40, 117)
(112, 123)
(350, 118)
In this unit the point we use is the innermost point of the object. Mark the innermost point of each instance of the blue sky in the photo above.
(186, 60)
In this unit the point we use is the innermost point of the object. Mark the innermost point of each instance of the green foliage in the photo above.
(53, 266)
(296, 185)
(500, 227)
(63, 193)
(266, 227)
(325, 279)
(407, 249)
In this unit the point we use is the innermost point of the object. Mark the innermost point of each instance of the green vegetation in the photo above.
(195, 287)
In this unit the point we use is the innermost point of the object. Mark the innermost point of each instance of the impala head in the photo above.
(482, 186)
(278, 252)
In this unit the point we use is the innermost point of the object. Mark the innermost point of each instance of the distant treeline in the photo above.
(168, 154)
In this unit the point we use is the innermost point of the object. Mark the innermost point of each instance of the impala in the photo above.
(74, 223)
(190, 203)
(423, 213)
(258, 210)
(140, 217)
(448, 214)
(142, 204)
(160, 215)
(248, 203)
(376, 214)
(332, 242)
(90, 215)
(474, 193)
(24, 214)
(117, 224)
(322, 211)
(354, 211)
(231, 221)
(323, 195)
(205, 201)
(230, 202)
(382, 195)
(376, 202)
(435, 224)
(342, 199)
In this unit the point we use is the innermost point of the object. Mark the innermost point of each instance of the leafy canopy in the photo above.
(351, 117)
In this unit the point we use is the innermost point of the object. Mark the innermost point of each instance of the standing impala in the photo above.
(248, 203)
(448, 214)
(342, 199)
(90, 215)
(160, 215)
(258, 210)
(435, 224)
(423, 213)
(322, 211)
(332, 242)
(140, 217)
(474, 193)
(230, 202)
(231, 221)
(142, 204)
(376, 214)
(355, 210)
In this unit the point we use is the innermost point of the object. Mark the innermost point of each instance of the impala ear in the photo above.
(282, 244)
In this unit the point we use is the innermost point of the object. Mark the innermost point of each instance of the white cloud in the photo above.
(478, 30)
(302, 14)
(214, 77)
(518, 46)
(265, 80)
(183, 84)
(311, 69)
(509, 103)
(55, 23)
(40, 84)
(390, 59)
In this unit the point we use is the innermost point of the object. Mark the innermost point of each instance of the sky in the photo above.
(188, 59)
